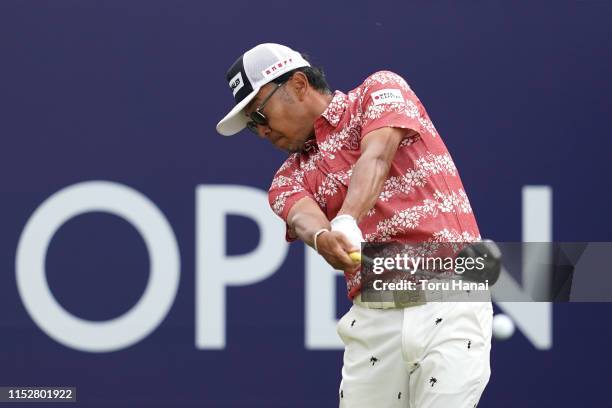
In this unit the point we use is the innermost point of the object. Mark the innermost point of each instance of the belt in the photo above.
(408, 298)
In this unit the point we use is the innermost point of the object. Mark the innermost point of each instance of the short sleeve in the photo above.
(287, 189)
(388, 101)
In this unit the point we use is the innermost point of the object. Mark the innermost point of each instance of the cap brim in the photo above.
(235, 120)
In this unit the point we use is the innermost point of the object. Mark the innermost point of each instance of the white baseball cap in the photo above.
(249, 73)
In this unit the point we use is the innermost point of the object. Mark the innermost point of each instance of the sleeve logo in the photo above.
(387, 96)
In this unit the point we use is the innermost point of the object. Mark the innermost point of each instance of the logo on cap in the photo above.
(277, 67)
(236, 83)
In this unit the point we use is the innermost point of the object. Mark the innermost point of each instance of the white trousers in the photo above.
(431, 356)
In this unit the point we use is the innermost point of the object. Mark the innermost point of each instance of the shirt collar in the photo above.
(332, 114)
(310, 146)
(335, 109)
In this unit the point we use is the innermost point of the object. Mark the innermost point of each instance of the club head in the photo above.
(489, 254)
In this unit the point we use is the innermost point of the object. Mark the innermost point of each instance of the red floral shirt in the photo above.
(422, 199)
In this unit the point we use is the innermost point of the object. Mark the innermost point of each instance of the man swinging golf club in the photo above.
(369, 166)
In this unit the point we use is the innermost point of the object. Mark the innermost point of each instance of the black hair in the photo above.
(315, 75)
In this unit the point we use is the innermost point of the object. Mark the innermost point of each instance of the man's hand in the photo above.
(306, 218)
(334, 246)
(348, 226)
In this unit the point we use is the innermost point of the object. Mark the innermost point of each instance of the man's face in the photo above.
(288, 123)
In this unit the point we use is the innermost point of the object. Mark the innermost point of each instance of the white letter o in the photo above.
(160, 292)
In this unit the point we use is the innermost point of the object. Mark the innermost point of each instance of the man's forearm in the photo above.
(305, 219)
(369, 175)
(370, 172)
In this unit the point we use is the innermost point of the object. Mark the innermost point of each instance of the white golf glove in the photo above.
(348, 226)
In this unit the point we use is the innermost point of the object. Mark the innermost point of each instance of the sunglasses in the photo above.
(257, 116)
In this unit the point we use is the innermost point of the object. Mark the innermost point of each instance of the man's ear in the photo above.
(300, 84)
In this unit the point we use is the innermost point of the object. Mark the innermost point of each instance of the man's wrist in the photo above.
(344, 216)
(316, 236)
(351, 214)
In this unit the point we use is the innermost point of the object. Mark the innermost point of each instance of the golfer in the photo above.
(369, 166)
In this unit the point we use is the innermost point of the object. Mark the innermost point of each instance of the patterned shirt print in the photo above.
(422, 200)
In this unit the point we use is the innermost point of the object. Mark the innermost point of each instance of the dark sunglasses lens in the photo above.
(252, 126)
(259, 118)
